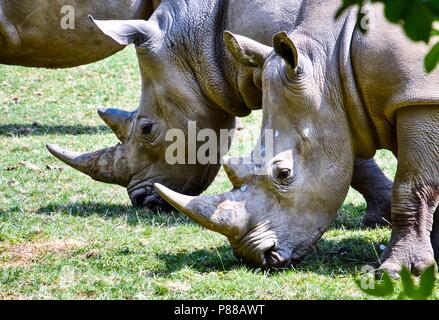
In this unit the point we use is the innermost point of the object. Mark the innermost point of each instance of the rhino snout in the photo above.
(146, 197)
(260, 248)
(267, 258)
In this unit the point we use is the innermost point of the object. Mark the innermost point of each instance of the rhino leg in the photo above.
(416, 191)
(370, 181)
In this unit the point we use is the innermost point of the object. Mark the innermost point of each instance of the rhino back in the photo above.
(31, 33)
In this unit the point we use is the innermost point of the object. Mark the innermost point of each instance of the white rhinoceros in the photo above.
(58, 33)
(333, 94)
(188, 75)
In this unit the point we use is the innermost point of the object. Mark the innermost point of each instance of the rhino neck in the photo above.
(259, 20)
(199, 27)
(195, 37)
(335, 45)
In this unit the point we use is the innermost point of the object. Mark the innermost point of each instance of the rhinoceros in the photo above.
(32, 33)
(332, 94)
(187, 74)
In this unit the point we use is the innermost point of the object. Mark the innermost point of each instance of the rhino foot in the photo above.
(410, 252)
(378, 214)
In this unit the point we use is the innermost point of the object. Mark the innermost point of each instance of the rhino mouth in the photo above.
(271, 258)
(275, 259)
(260, 248)
(286, 256)
(280, 258)
(146, 197)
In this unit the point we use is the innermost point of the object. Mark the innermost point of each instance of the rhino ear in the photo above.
(246, 51)
(284, 47)
(126, 32)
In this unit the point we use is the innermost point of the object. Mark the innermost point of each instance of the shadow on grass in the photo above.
(349, 217)
(203, 261)
(36, 129)
(132, 215)
(331, 256)
(344, 257)
(341, 257)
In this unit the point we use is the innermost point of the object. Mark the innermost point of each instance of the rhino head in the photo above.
(170, 98)
(282, 203)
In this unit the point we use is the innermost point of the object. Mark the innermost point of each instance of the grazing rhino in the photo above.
(187, 74)
(32, 34)
(332, 94)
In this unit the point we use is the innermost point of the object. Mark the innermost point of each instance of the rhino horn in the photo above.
(107, 165)
(119, 121)
(238, 170)
(219, 213)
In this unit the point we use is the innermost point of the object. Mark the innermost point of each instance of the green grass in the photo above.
(65, 236)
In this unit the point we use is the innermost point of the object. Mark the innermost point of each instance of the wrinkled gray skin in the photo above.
(333, 94)
(31, 33)
(188, 75)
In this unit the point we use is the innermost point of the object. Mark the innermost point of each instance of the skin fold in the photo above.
(31, 34)
(331, 95)
(188, 75)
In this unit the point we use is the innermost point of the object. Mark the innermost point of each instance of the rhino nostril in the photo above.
(276, 260)
(138, 197)
(155, 202)
(152, 202)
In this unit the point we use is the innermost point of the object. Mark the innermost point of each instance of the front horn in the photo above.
(222, 213)
(119, 121)
(107, 165)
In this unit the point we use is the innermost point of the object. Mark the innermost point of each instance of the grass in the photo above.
(64, 236)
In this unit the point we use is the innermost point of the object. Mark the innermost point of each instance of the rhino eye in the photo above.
(147, 128)
(283, 174)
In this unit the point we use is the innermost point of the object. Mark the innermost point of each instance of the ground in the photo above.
(62, 235)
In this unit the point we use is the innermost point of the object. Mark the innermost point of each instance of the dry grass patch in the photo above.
(178, 287)
(27, 253)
